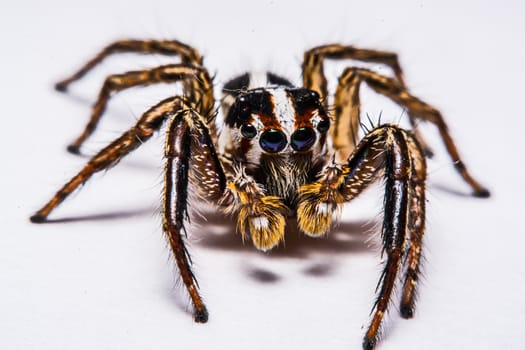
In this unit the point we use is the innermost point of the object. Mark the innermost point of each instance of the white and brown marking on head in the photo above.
(276, 120)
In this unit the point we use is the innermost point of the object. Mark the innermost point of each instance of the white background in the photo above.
(101, 277)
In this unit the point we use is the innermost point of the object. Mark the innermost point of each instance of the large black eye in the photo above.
(323, 125)
(248, 131)
(302, 139)
(273, 141)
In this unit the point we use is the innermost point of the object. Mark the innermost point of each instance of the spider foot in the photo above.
(201, 316)
(37, 218)
(61, 86)
(481, 193)
(74, 149)
(406, 311)
(369, 344)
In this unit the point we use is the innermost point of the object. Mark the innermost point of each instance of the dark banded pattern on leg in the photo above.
(188, 55)
(391, 88)
(186, 135)
(313, 71)
(150, 122)
(396, 153)
(164, 74)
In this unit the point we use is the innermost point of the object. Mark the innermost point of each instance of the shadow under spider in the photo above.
(218, 231)
(115, 215)
(449, 190)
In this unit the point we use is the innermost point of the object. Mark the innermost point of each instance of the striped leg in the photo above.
(386, 148)
(189, 153)
(201, 91)
(416, 229)
(115, 151)
(314, 79)
(188, 55)
(313, 72)
(391, 88)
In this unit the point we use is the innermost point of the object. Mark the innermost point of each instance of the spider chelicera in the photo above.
(278, 154)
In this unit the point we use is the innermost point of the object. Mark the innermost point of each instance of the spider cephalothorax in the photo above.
(278, 154)
(279, 134)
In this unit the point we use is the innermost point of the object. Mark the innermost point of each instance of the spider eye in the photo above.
(314, 95)
(273, 141)
(248, 131)
(323, 125)
(243, 109)
(302, 139)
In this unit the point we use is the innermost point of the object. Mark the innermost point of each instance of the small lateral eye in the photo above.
(248, 131)
(323, 125)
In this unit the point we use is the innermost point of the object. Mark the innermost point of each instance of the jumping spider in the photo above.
(278, 154)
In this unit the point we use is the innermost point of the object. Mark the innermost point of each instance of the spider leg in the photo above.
(313, 71)
(314, 79)
(114, 152)
(395, 152)
(352, 77)
(189, 148)
(416, 229)
(201, 90)
(188, 55)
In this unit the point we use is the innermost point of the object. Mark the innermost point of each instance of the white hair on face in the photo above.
(284, 110)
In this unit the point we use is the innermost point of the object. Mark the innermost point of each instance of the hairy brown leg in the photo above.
(347, 116)
(111, 154)
(398, 161)
(188, 149)
(386, 148)
(416, 229)
(313, 71)
(188, 55)
(202, 91)
(422, 111)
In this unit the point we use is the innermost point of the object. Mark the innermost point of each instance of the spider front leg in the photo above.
(416, 228)
(397, 153)
(188, 146)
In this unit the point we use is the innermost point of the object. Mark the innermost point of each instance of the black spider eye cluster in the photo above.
(274, 140)
(253, 101)
(305, 100)
(240, 114)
